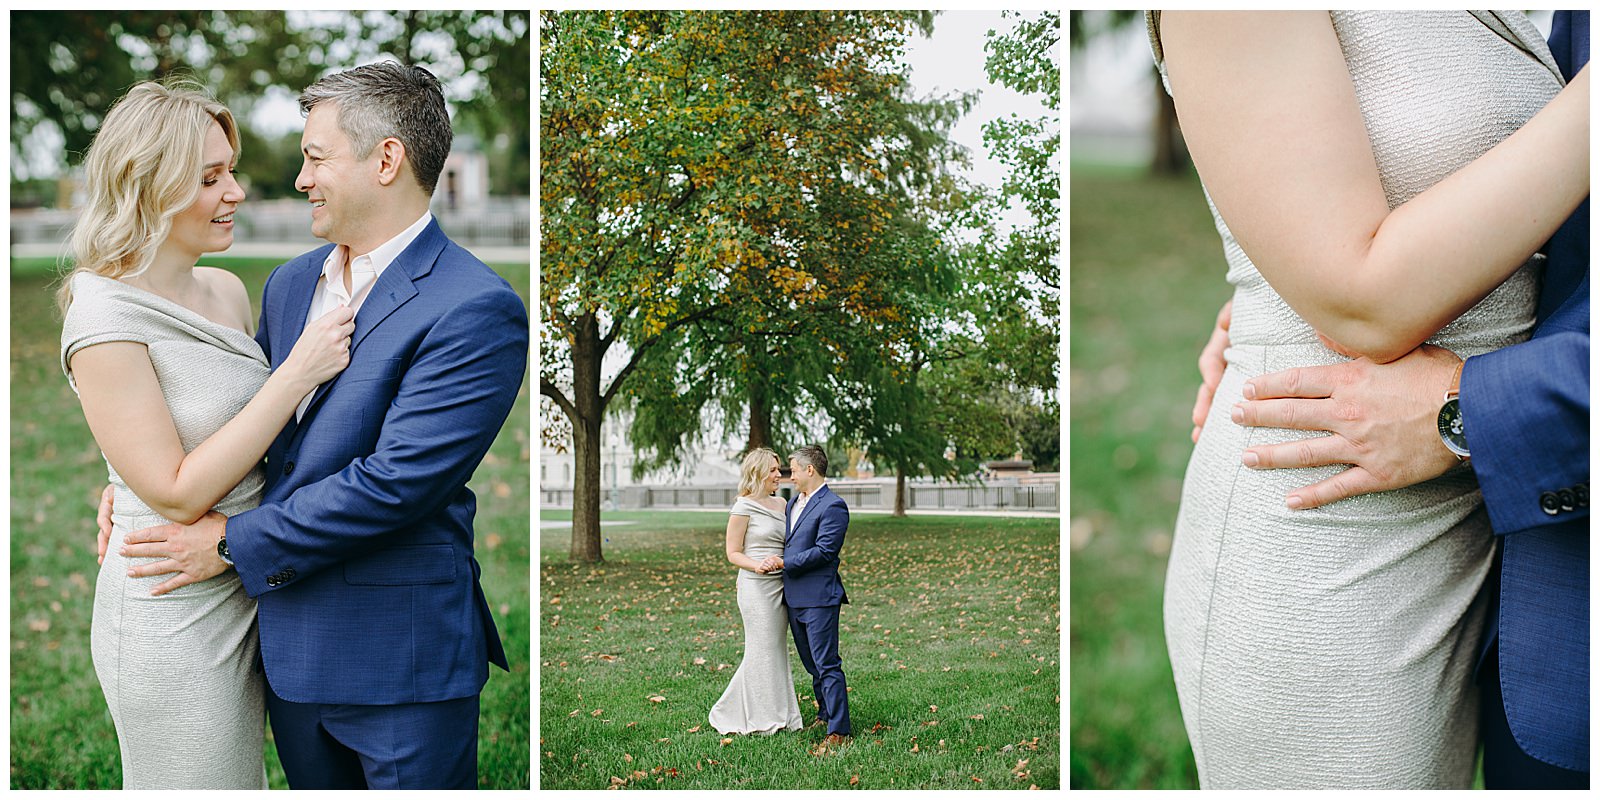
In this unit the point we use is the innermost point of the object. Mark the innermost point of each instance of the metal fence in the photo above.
(1042, 496)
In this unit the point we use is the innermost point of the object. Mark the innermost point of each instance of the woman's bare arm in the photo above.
(128, 415)
(737, 527)
(1272, 122)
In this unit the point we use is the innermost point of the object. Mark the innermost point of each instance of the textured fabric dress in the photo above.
(760, 698)
(180, 672)
(1335, 647)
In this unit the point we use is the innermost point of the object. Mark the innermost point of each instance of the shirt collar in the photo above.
(381, 256)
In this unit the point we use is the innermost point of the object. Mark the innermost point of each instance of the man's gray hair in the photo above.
(813, 455)
(387, 99)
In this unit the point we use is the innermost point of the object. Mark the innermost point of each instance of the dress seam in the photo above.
(1205, 643)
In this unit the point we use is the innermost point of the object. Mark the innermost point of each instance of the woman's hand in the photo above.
(323, 350)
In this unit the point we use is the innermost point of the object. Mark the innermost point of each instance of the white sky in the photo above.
(952, 61)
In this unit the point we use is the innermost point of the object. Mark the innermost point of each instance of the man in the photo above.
(817, 521)
(1520, 416)
(375, 635)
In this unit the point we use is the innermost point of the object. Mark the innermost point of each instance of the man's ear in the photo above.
(391, 159)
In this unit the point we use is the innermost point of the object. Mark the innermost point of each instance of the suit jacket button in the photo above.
(288, 467)
(1550, 503)
(1581, 492)
(1569, 501)
(289, 574)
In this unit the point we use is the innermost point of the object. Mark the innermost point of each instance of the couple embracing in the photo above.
(1382, 554)
(788, 560)
(305, 481)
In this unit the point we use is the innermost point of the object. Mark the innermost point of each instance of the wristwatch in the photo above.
(1452, 430)
(222, 550)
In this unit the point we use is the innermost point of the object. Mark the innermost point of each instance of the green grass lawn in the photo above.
(951, 649)
(1147, 279)
(61, 732)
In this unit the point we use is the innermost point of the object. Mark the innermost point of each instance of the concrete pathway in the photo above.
(567, 523)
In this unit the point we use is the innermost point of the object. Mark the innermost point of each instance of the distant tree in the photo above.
(1169, 156)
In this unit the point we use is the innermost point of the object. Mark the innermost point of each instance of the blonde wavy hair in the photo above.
(143, 168)
(754, 470)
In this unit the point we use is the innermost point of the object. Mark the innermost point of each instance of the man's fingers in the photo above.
(1297, 382)
(1315, 452)
(161, 567)
(181, 579)
(1295, 414)
(156, 534)
(1349, 483)
(145, 550)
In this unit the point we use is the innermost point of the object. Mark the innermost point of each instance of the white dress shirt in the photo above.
(364, 272)
(800, 506)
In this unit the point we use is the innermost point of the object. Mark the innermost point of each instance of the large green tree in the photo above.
(714, 186)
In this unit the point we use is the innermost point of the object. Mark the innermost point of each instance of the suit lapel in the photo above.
(816, 500)
(297, 308)
(393, 289)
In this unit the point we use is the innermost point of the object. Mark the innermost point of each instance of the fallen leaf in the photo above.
(627, 757)
(727, 741)
(855, 779)
(657, 699)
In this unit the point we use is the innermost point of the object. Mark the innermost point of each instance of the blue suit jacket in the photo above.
(1526, 409)
(360, 555)
(811, 551)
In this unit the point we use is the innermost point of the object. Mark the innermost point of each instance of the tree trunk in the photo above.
(1170, 157)
(760, 415)
(586, 357)
(899, 492)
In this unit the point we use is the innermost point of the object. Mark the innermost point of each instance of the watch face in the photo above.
(1451, 428)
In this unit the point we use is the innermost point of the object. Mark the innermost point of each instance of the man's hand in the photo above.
(1383, 420)
(190, 550)
(103, 518)
(1212, 365)
(772, 564)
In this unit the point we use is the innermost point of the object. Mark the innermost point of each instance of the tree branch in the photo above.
(644, 346)
(549, 389)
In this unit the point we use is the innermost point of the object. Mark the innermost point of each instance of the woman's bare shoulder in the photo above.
(230, 291)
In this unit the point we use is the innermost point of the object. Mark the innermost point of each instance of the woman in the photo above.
(1382, 179)
(179, 399)
(760, 698)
